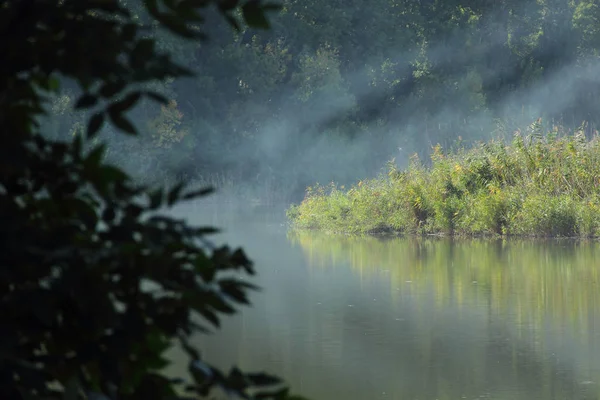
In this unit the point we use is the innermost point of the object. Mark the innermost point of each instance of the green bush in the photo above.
(536, 186)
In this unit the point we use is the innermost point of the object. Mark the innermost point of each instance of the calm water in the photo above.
(407, 318)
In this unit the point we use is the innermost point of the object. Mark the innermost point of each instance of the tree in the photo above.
(95, 283)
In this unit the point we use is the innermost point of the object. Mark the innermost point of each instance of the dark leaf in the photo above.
(110, 89)
(142, 52)
(125, 104)
(95, 156)
(122, 123)
(210, 316)
(86, 101)
(53, 84)
(111, 6)
(129, 31)
(272, 7)
(190, 350)
(72, 389)
(175, 25)
(198, 193)
(205, 231)
(228, 5)
(113, 174)
(262, 379)
(157, 97)
(233, 22)
(173, 195)
(254, 15)
(108, 215)
(77, 146)
(94, 125)
(156, 199)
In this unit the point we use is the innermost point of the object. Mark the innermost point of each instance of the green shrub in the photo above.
(546, 215)
(537, 186)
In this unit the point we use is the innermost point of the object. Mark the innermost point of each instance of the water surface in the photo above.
(415, 318)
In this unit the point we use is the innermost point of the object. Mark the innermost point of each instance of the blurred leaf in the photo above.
(72, 389)
(86, 101)
(129, 31)
(122, 123)
(95, 156)
(262, 379)
(233, 22)
(198, 193)
(157, 97)
(110, 89)
(108, 215)
(210, 316)
(113, 174)
(125, 104)
(53, 84)
(254, 15)
(141, 53)
(95, 124)
(156, 199)
(174, 194)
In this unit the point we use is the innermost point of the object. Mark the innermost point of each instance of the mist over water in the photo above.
(330, 94)
(333, 91)
(413, 318)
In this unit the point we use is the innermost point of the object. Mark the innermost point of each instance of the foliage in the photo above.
(165, 128)
(413, 73)
(96, 283)
(540, 185)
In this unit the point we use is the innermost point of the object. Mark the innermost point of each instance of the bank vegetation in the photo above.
(541, 184)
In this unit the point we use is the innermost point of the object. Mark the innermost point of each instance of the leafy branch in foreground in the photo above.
(96, 284)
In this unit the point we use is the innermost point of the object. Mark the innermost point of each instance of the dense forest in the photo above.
(336, 89)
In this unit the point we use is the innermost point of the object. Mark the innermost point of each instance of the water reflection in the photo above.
(505, 319)
(367, 318)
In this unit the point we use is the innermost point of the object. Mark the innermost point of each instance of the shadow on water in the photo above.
(414, 318)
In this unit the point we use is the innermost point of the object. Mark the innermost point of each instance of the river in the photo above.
(360, 318)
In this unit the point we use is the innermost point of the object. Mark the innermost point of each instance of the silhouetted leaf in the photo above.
(205, 231)
(113, 174)
(233, 22)
(190, 350)
(86, 101)
(94, 125)
(53, 84)
(125, 104)
(72, 389)
(110, 89)
(254, 15)
(156, 199)
(210, 316)
(122, 123)
(95, 156)
(141, 53)
(198, 193)
(108, 215)
(129, 31)
(173, 195)
(157, 97)
(176, 25)
(262, 379)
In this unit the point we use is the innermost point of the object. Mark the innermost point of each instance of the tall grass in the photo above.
(539, 185)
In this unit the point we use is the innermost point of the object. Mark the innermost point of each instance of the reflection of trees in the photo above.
(532, 281)
(531, 284)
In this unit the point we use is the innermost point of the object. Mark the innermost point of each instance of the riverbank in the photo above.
(538, 185)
